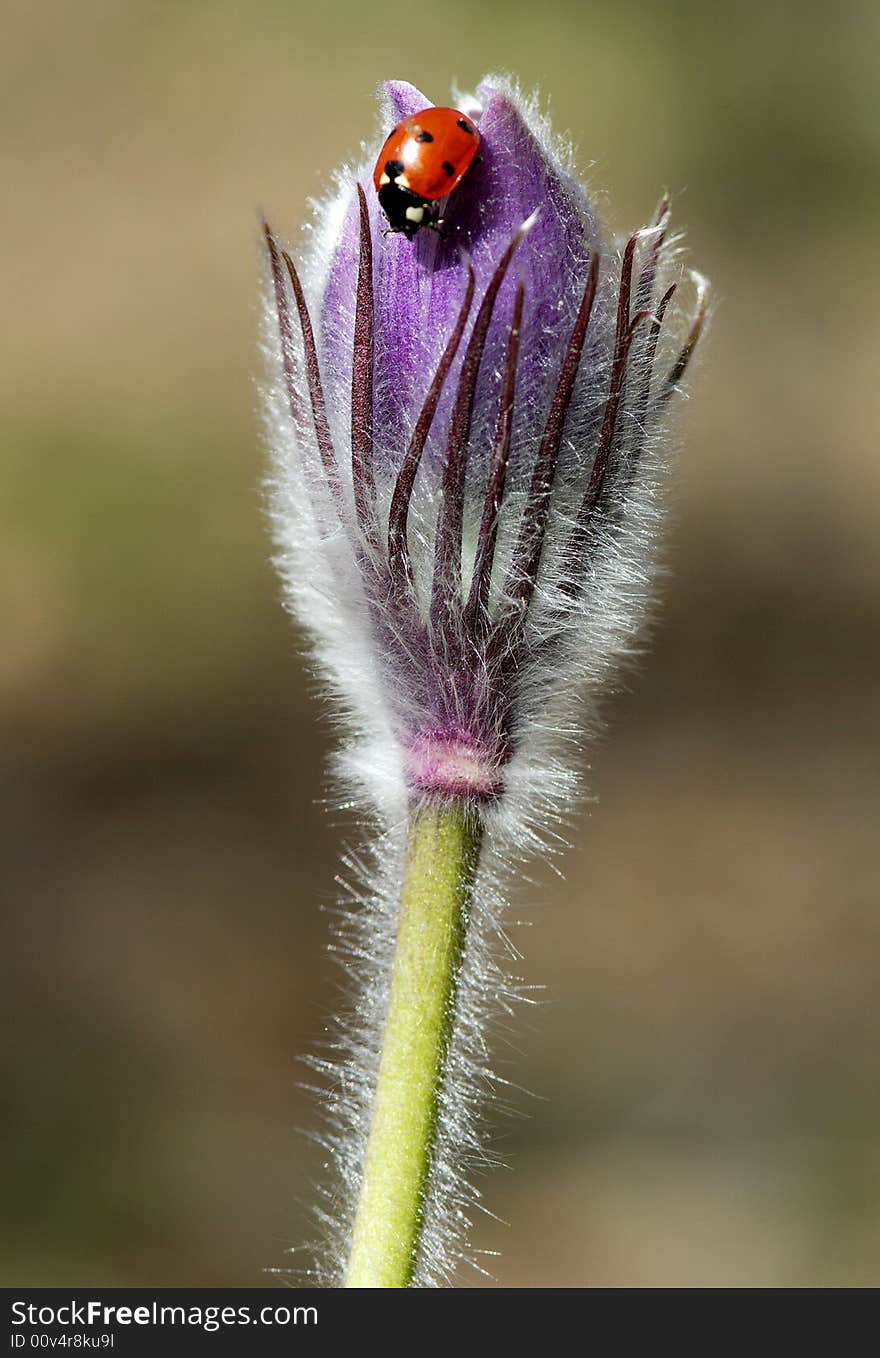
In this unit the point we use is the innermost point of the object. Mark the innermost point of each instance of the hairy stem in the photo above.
(442, 855)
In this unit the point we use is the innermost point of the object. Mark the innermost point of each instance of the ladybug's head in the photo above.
(405, 210)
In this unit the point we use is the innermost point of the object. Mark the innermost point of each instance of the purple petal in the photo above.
(516, 177)
(400, 100)
(404, 362)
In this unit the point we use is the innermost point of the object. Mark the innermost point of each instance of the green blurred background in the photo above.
(706, 1058)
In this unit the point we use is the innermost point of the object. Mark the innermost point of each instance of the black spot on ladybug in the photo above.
(393, 168)
(448, 168)
(422, 135)
(465, 126)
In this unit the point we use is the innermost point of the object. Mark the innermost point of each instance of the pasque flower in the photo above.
(468, 435)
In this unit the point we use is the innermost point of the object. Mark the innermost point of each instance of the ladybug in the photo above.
(423, 160)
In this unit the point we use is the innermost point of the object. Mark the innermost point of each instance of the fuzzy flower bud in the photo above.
(468, 436)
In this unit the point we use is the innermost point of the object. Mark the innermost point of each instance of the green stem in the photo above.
(442, 856)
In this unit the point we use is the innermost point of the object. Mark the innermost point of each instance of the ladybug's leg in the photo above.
(433, 220)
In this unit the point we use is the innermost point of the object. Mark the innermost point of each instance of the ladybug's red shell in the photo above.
(435, 148)
(423, 160)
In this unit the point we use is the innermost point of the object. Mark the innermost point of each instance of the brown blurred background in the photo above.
(706, 1058)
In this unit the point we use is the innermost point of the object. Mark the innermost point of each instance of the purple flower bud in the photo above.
(469, 442)
(468, 434)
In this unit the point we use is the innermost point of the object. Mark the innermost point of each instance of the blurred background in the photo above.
(705, 1061)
